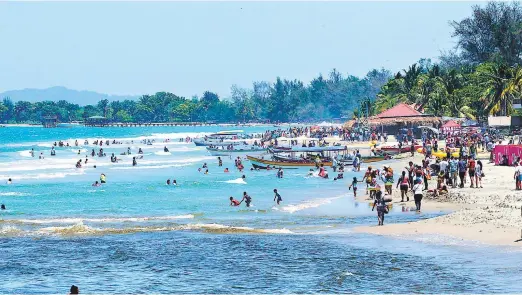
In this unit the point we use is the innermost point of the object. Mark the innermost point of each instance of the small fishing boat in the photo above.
(236, 150)
(302, 149)
(233, 137)
(395, 150)
(295, 163)
(69, 125)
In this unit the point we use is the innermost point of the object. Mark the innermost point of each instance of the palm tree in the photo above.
(495, 80)
(514, 85)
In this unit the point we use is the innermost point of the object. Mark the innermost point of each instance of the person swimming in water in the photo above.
(234, 202)
(277, 197)
(226, 170)
(9, 181)
(168, 181)
(206, 171)
(96, 183)
(247, 199)
(2, 207)
(243, 177)
(165, 149)
(174, 182)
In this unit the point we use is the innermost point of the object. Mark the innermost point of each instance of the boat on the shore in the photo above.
(278, 161)
(222, 138)
(395, 150)
(307, 149)
(236, 150)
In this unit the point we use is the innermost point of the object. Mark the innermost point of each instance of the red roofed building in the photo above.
(400, 116)
(400, 110)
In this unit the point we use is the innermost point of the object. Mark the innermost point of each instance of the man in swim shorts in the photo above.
(277, 197)
(247, 199)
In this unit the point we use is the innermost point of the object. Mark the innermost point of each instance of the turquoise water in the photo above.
(135, 234)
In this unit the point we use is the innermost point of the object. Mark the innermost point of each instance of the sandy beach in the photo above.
(490, 215)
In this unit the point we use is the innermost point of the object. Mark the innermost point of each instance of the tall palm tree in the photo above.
(495, 79)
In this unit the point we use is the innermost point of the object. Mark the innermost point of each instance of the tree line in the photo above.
(482, 76)
(284, 100)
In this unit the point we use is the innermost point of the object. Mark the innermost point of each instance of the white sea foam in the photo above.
(99, 220)
(26, 153)
(9, 230)
(308, 204)
(13, 194)
(162, 153)
(235, 181)
(149, 167)
(82, 229)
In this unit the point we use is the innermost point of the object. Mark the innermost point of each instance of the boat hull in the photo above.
(284, 164)
(224, 152)
(297, 164)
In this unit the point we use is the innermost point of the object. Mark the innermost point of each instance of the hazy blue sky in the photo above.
(187, 48)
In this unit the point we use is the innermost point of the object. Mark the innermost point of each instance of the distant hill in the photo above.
(61, 93)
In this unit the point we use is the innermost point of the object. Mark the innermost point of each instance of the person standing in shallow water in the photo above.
(277, 197)
(382, 208)
(247, 199)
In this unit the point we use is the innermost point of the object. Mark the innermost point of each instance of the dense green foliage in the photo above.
(284, 100)
(482, 76)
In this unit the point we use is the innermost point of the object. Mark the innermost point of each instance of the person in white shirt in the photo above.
(417, 194)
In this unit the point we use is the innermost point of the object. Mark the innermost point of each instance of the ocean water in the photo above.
(135, 234)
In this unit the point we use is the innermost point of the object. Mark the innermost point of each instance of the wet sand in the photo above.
(490, 215)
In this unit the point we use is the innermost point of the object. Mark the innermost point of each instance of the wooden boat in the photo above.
(260, 167)
(394, 150)
(301, 163)
(222, 138)
(299, 149)
(236, 151)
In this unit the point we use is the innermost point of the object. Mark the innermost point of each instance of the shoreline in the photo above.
(489, 215)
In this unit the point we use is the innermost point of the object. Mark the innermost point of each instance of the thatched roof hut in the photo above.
(400, 116)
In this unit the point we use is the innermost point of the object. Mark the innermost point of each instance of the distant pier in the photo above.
(170, 124)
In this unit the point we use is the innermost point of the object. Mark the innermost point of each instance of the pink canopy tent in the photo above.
(450, 126)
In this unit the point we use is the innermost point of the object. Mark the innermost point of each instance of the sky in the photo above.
(135, 48)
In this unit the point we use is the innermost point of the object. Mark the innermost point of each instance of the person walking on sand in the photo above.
(417, 194)
(463, 165)
(471, 170)
(518, 176)
(478, 174)
(453, 171)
